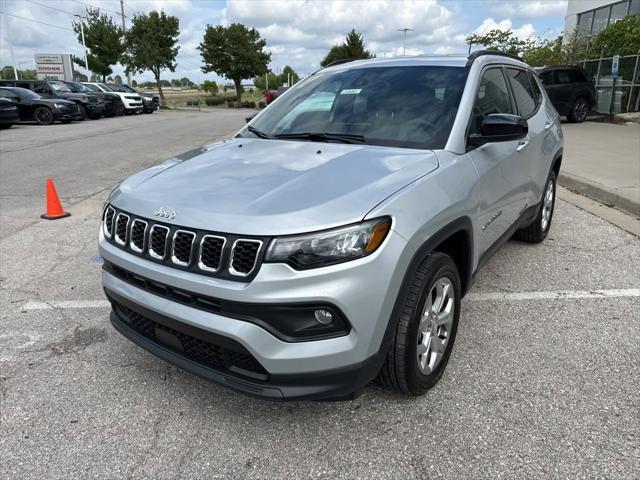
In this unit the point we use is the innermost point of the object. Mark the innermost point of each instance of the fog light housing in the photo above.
(325, 317)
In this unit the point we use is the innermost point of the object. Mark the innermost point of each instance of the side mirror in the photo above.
(248, 119)
(500, 127)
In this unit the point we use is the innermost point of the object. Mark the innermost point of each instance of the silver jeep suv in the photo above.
(329, 242)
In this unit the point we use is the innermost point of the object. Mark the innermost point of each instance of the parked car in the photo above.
(271, 95)
(150, 102)
(8, 113)
(113, 105)
(92, 107)
(44, 111)
(132, 103)
(320, 248)
(571, 91)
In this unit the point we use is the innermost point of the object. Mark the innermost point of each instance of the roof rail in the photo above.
(339, 62)
(480, 53)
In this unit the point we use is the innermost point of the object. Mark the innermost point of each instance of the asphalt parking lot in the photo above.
(543, 381)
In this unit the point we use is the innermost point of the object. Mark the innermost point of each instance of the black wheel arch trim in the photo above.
(462, 224)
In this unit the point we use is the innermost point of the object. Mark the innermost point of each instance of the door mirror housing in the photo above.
(500, 127)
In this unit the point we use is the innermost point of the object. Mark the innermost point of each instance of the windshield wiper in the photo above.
(258, 133)
(322, 137)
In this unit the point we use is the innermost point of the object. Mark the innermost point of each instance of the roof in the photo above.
(455, 60)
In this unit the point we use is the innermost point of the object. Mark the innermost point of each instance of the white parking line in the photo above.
(472, 297)
(557, 295)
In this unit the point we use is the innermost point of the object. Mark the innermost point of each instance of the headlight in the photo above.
(329, 246)
(60, 105)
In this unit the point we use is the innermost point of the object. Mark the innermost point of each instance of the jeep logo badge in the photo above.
(163, 212)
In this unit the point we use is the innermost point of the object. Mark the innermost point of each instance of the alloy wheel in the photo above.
(580, 110)
(435, 325)
(547, 205)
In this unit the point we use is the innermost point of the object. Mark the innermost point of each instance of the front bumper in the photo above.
(363, 290)
(339, 384)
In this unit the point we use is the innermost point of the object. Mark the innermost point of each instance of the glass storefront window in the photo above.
(618, 11)
(605, 73)
(625, 70)
(592, 69)
(584, 23)
(634, 7)
(600, 20)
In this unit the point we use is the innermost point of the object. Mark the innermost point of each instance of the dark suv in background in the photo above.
(113, 105)
(90, 106)
(571, 91)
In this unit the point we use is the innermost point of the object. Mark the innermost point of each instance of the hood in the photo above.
(272, 187)
(73, 96)
(51, 101)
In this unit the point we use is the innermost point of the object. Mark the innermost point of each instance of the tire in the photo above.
(83, 111)
(579, 111)
(539, 228)
(43, 116)
(406, 370)
(65, 121)
(5, 126)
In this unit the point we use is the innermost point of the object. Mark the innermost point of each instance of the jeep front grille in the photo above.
(158, 242)
(214, 254)
(122, 223)
(182, 246)
(244, 256)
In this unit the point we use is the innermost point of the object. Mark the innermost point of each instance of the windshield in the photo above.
(60, 87)
(93, 88)
(121, 88)
(410, 107)
(106, 87)
(77, 87)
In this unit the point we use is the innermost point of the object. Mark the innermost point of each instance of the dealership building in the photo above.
(590, 17)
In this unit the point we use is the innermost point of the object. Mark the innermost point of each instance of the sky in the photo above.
(298, 32)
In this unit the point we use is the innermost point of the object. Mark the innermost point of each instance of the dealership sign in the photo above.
(54, 66)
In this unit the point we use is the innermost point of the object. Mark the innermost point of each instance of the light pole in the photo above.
(404, 41)
(20, 68)
(86, 62)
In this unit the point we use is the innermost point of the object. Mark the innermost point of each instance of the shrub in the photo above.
(261, 104)
(213, 100)
(250, 104)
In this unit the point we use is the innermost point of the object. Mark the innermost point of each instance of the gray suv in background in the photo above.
(329, 242)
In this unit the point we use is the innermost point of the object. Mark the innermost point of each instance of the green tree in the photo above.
(275, 81)
(235, 52)
(289, 74)
(103, 38)
(185, 82)
(560, 50)
(79, 77)
(176, 82)
(619, 38)
(151, 45)
(7, 73)
(117, 79)
(502, 40)
(134, 84)
(210, 87)
(351, 49)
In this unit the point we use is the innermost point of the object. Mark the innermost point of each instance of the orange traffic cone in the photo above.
(54, 207)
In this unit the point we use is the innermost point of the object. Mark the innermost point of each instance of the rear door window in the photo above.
(563, 77)
(577, 76)
(547, 78)
(522, 91)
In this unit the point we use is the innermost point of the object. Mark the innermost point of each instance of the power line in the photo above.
(97, 8)
(37, 21)
(51, 8)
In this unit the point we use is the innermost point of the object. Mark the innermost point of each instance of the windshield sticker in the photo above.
(351, 91)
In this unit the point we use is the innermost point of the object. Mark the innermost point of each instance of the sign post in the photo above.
(615, 64)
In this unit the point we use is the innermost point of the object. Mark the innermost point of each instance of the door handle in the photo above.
(522, 145)
(548, 125)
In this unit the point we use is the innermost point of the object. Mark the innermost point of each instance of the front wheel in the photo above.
(579, 110)
(83, 111)
(538, 230)
(43, 116)
(426, 329)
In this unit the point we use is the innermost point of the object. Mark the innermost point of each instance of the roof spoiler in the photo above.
(480, 53)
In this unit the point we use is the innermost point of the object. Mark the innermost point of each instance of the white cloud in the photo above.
(488, 24)
(529, 9)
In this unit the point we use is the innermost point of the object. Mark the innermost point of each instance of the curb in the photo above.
(599, 193)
